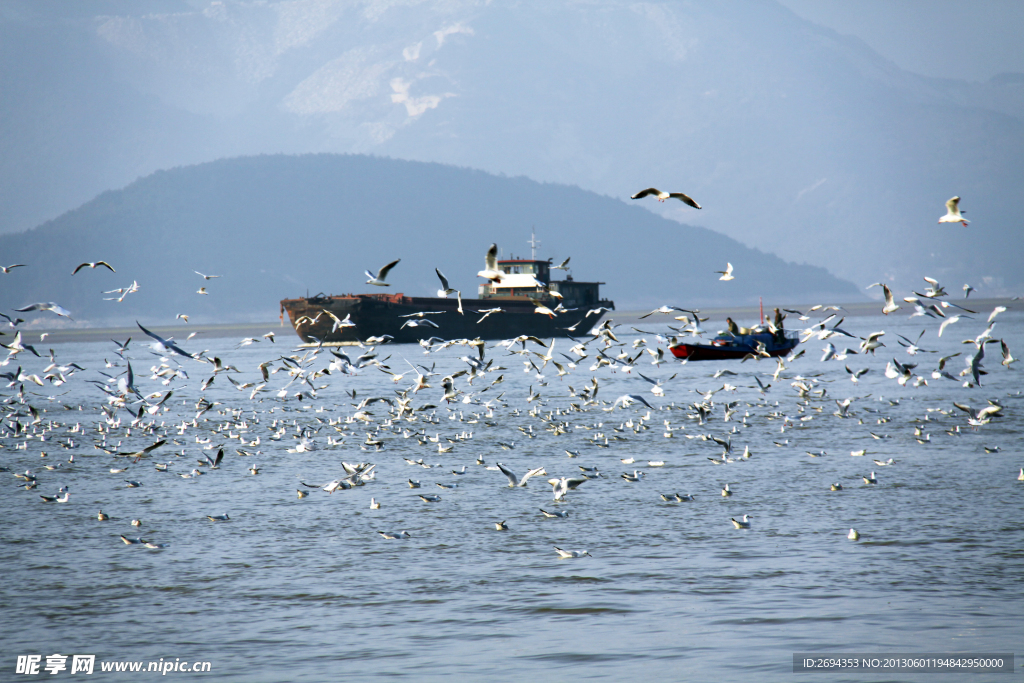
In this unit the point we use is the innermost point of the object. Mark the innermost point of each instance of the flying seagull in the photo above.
(46, 306)
(445, 288)
(953, 213)
(205, 277)
(514, 481)
(727, 273)
(662, 196)
(564, 265)
(890, 305)
(165, 344)
(490, 270)
(378, 279)
(11, 267)
(93, 265)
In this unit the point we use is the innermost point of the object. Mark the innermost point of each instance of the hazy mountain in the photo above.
(276, 227)
(797, 141)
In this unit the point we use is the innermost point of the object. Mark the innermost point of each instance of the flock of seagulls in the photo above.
(133, 424)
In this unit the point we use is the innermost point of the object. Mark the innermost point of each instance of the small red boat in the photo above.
(726, 346)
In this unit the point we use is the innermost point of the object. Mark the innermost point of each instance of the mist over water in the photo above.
(303, 590)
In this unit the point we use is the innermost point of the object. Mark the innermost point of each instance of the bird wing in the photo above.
(383, 272)
(513, 480)
(951, 205)
(685, 199)
(643, 193)
(532, 473)
(444, 280)
(491, 259)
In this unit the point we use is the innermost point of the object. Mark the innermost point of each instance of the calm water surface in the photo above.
(306, 590)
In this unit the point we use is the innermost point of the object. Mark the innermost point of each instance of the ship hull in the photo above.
(726, 348)
(378, 315)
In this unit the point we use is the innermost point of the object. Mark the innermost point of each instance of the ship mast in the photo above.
(534, 243)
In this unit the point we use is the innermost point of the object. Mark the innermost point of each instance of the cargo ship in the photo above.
(504, 308)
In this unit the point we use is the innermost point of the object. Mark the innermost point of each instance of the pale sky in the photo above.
(941, 38)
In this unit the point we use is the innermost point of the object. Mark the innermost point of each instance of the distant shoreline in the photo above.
(285, 333)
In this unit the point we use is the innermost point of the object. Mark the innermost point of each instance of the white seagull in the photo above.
(741, 523)
(853, 535)
(727, 273)
(514, 481)
(445, 288)
(46, 306)
(890, 305)
(378, 279)
(566, 554)
(490, 270)
(662, 196)
(953, 212)
(93, 265)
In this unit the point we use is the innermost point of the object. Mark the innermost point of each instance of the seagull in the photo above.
(870, 479)
(853, 535)
(490, 270)
(741, 523)
(501, 526)
(445, 289)
(392, 535)
(662, 196)
(565, 513)
(163, 345)
(837, 487)
(205, 277)
(890, 305)
(374, 505)
(302, 494)
(202, 290)
(132, 541)
(154, 545)
(218, 518)
(56, 499)
(628, 399)
(93, 265)
(871, 343)
(727, 273)
(514, 481)
(726, 491)
(566, 554)
(9, 268)
(102, 516)
(47, 306)
(136, 522)
(378, 279)
(427, 498)
(415, 322)
(953, 212)
(949, 321)
(563, 485)
(564, 265)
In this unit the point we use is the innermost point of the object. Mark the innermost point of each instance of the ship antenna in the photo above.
(534, 243)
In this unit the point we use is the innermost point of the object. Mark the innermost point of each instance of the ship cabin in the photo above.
(531, 278)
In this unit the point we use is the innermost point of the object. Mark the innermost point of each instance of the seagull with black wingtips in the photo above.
(378, 279)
